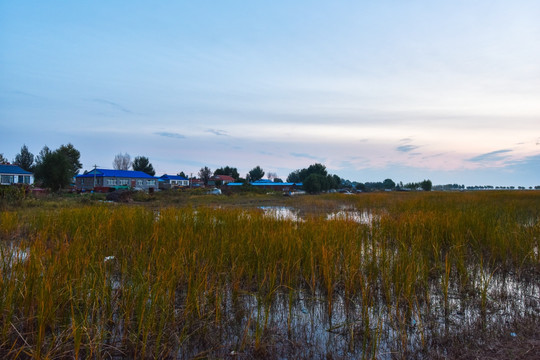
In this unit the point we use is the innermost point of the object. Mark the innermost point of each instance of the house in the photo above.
(220, 180)
(13, 174)
(196, 183)
(104, 180)
(171, 181)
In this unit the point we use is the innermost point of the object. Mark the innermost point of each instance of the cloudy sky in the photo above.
(408, 90)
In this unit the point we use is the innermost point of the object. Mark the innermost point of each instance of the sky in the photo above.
(409, 90)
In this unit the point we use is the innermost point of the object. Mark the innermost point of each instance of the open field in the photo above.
(383, 275)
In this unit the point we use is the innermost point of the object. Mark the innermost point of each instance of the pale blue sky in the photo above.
(445, 90)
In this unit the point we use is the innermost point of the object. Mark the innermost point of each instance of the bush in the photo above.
(12, 194)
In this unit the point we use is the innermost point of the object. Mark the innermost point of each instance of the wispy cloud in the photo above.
(170, 135)
(113, 105)
(491, 156)
(217, 132)
(406, 148)
(307, 156)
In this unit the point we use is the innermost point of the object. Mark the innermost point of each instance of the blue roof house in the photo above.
(105, 179)
(169, 181)
(13, 174)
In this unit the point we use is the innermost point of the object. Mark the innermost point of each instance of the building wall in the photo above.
(9, 179)
(87, 183)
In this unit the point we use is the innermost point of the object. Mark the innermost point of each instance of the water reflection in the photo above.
(345, 214)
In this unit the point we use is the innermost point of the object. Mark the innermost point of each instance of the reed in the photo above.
(180, 282)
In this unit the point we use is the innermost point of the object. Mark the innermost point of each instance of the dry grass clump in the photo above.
(127, 281)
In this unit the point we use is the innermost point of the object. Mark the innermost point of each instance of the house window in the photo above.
(123, 181)
(139, 182)
(151, 182)
(6, 179)
(27, 179)
(111, 181)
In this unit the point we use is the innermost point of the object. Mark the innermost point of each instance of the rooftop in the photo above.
(13, 170)
(116, 173)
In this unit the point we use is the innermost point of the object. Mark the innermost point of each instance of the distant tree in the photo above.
(426, 185)
(294, 177)
(256, 173)
(53, 170)
(315, 183)
(317, 169)
(330, 182)
(360, 186)
(229, 171)
(334, 182)
(301, 174)
(142, 163)
(122, 162)
(25, 159)
(389, 184)
(3, 160)
(44, 152)
(73, 155)
(205, 174)
(181, 173)
(271, 176)
(278, 180)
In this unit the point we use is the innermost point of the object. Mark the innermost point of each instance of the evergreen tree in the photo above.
(142, 163)
(25, 159)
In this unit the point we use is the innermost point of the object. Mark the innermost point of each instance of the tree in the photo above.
(389, 184)
(181, 173)
(256, 173)
(54, 169)
(3, 160)
(426, 185)
(301, 174)
(42, 154)
(73, 155)
(229, 171)
(142, 163)
(204, 174)
(317, 169)
(25, 159)
(334, 181)
(294, 177)
(330, 181)
(271, 176)
(122, 162)
(315, 183)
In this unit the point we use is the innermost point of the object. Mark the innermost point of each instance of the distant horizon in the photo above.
(446, 91)
(194, 174)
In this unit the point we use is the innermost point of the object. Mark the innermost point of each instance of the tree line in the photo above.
(55, 169)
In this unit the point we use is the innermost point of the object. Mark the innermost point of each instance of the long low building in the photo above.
(270, 185)
(105, 180)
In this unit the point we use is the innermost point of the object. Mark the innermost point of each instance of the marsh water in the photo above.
(315, 322)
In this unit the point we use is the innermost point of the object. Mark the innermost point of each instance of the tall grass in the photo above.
(101, 281)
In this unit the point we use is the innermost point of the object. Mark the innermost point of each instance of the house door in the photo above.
(132, 183)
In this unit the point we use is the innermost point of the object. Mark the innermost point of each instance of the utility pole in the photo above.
(95, 173)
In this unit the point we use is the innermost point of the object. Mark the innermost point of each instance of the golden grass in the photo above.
(132, 281)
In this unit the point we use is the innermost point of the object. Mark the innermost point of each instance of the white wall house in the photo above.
(13, 174)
